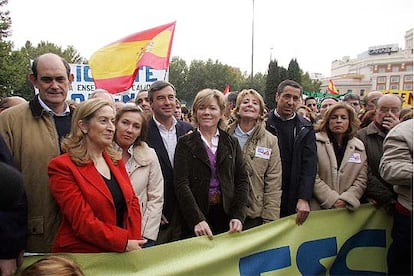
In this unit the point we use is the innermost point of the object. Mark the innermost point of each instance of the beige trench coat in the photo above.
(347, 183)
(146, 177)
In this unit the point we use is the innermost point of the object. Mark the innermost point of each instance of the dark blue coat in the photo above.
(303, 163)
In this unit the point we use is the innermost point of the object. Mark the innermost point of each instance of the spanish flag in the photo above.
(115, 66)
(332, 88)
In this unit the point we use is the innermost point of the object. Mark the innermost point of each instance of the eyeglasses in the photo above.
(393, 110)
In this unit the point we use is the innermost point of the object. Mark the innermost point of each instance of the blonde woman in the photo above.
(100, 211)
(142, 166)
(53, 266)
(261, 154)
(210, 178)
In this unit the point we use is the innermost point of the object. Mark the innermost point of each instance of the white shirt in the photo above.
(214, 140)
(129, 163)
(169, 138)
(49, 110)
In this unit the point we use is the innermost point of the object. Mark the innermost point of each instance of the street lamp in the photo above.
(251, 75)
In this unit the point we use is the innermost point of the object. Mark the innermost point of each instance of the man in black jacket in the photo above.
(13, 214)
(297, 146)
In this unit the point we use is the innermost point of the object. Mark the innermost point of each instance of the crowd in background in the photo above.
(107, 176)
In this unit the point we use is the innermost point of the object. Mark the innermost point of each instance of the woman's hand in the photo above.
(202, 229)
(235, 226)
(134, 245)
(164, 220)
(339, 204)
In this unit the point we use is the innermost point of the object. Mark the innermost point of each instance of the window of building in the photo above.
(381, 70)
(408, 78)
(409, 68)
(381, 80)
(408, 86)
(380, 86)
(394, 86)
(396, 68)
(395, 79)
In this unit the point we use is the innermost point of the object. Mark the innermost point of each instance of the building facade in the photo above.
(383, 67)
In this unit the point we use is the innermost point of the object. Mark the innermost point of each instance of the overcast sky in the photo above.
(315, 32)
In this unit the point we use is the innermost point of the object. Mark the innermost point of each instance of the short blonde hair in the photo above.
(241, 95)
(204, 97)
(75, 142)
(53, 266)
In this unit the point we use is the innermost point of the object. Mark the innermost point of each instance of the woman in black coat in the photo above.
(210, 179)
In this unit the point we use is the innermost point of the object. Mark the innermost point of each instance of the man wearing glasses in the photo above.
(388, 108)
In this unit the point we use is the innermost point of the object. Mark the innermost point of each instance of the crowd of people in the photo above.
(105, 176)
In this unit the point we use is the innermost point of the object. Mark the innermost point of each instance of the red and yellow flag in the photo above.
(115, 66)
(332, 88)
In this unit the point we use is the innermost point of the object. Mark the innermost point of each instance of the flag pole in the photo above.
(251, 74)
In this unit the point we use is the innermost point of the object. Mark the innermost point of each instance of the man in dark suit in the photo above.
(163, 133)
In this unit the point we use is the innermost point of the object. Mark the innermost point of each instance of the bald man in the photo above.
(11, 101)
(32, 132)
(103, 94)
(369, 101)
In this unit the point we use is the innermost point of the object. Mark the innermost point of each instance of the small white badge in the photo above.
(263, 152)
(355, 158)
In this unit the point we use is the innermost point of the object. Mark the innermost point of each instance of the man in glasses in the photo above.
(388, 108)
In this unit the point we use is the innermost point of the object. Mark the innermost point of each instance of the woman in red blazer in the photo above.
(100, 211)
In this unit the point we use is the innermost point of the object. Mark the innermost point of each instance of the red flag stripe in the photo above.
(115, 85)
(147, 34)
(155, 61)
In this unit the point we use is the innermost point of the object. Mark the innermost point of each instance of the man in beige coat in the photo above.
(33, 131)
(396, 167)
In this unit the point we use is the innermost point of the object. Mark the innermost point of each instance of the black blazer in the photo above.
(154, 140)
